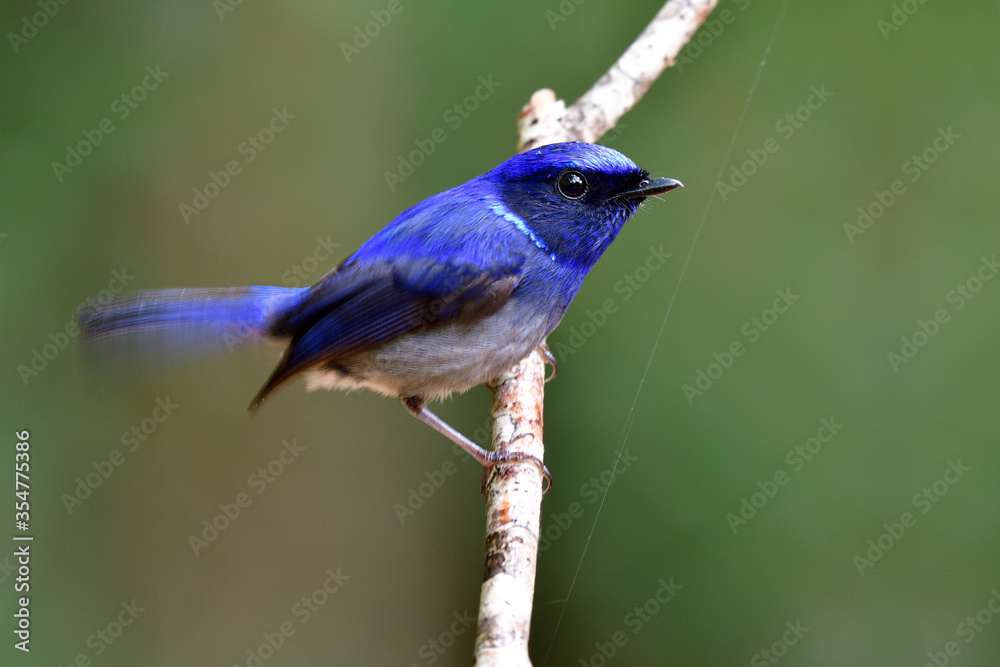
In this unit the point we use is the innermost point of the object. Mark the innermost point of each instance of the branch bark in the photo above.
(514, 491)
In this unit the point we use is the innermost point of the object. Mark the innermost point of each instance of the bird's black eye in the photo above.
(572, 184)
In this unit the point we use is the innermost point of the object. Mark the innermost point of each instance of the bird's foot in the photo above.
(550, 359)
(487, 458)
(494, 458)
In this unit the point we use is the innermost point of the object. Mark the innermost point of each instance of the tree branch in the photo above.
(513, 516)
(514, 491)
(546, 120)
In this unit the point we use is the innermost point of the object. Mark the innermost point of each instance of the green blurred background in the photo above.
(408, 579)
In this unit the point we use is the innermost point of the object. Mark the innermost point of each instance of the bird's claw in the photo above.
(550, 359)
(495, 458)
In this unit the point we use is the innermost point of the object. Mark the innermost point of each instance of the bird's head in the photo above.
(574, 197)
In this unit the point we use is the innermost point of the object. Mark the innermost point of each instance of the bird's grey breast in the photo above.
(437, 360)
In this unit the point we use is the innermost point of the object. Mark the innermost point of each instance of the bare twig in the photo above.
(546, 120)
(514, 491)
(514, 504)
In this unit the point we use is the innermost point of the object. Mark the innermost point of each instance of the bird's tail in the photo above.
(137, 331)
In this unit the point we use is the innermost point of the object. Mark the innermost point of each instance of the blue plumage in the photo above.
(454, 291)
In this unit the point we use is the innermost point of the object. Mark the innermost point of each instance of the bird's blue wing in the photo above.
(445, 260)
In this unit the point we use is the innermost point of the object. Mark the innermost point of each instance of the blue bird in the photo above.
(449, 295)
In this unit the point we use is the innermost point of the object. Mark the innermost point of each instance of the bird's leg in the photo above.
(486, 458)
(550, 359)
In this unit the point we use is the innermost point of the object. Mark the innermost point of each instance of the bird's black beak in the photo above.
(650, 187)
